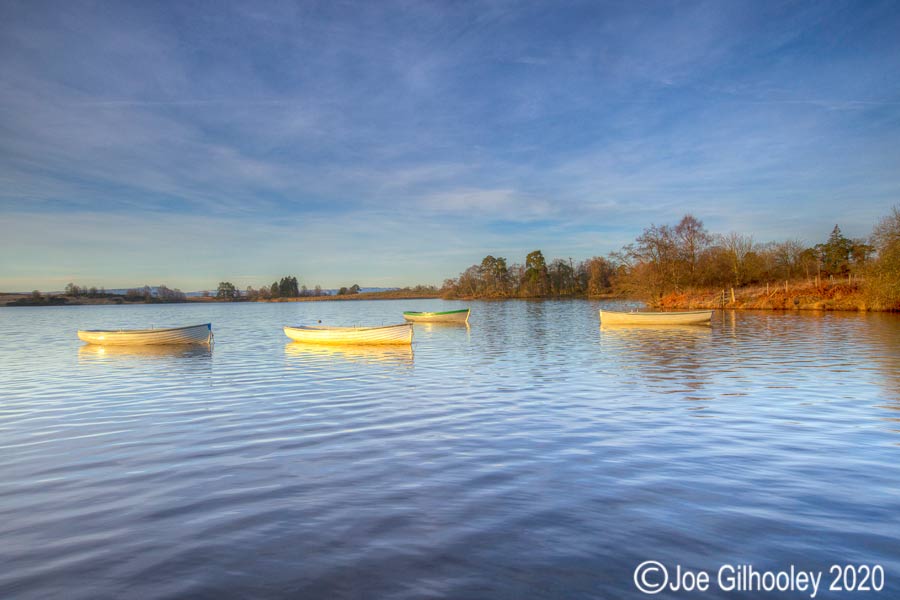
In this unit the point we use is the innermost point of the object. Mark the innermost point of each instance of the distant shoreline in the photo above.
(798, 296)
(25, 300)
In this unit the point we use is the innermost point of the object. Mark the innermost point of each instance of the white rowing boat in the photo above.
(447, 316)
(387, 334)
(688, 317)
(192, 334)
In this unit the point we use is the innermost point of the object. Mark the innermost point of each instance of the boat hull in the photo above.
(193, 334)
(450, 316)
(691, 317)
(390, 334)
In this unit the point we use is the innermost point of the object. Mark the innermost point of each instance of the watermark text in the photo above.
(653, 577)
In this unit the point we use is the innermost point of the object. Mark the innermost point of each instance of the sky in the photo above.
(396, 143)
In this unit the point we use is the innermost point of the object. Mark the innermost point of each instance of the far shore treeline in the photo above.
(670, 264)
(675, 266)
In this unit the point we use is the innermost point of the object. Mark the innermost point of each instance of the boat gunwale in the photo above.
(329, 328)
(160, 330)
(658, 313)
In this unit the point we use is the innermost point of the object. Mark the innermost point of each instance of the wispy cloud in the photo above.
(492, 126)
(503, 204)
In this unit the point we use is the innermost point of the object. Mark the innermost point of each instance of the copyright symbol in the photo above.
(651, 577)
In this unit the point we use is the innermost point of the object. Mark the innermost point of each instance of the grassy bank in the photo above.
(797, 295)
(63, 300)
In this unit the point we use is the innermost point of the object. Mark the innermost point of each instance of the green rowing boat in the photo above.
(447, 316)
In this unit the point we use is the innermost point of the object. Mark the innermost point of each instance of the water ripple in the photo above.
(534, 454)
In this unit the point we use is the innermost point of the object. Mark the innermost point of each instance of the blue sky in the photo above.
(397, 143)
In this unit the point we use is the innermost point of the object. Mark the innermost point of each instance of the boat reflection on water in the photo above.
(445, 330)
(426, 326)
(391, 355)
(656, 342)
(663, 355)
(657, 331)
(93, 353)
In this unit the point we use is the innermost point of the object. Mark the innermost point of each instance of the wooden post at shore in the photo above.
(732, 296)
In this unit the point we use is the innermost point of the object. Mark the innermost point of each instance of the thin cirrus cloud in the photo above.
(395, 144)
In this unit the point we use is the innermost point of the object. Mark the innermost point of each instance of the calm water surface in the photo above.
(533, 455)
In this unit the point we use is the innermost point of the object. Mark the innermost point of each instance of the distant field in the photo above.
(19, 299)
(385, 295)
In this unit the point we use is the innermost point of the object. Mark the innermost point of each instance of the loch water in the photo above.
(533, 454)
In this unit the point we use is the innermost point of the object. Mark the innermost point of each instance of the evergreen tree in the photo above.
(536, 275)
(835, 253)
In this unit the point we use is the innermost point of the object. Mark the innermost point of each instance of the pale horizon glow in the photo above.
(391, 144)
